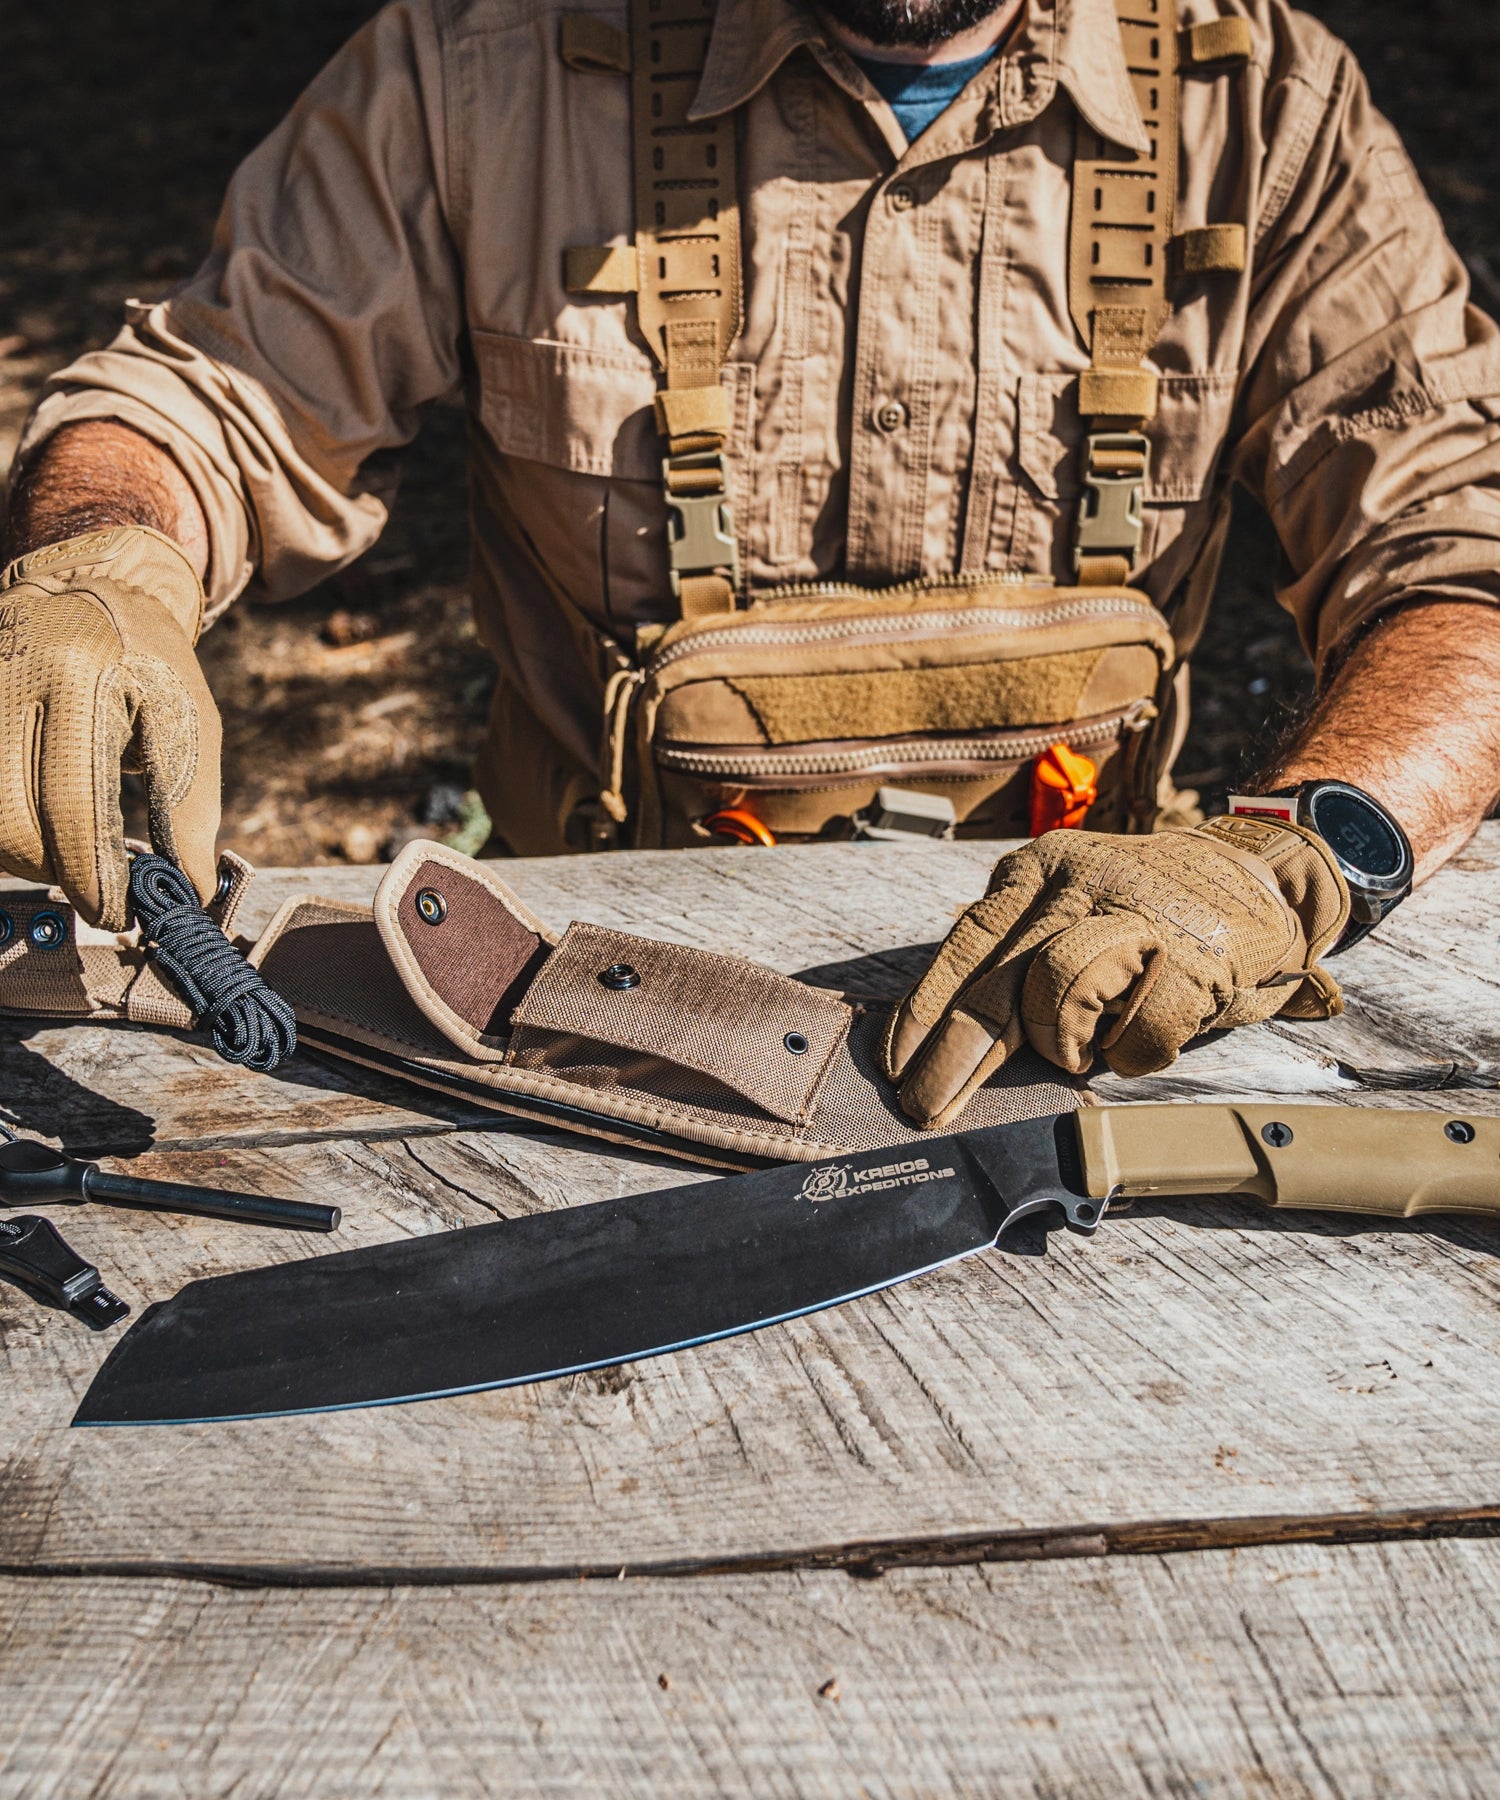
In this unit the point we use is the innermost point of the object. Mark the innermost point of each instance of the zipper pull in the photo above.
(619, 692)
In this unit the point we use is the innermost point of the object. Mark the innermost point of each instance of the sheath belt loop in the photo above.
(1118, 263)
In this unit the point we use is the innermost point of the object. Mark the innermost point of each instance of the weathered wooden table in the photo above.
(1205, 1505)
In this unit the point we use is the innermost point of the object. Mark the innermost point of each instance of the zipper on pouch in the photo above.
(927, 584)
(748, 764)
(968, 621)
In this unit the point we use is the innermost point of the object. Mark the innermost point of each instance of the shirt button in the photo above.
(889, 416)
(903, 198)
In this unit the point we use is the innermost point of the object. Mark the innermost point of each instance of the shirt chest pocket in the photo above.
(568, 436)
(1186, 437)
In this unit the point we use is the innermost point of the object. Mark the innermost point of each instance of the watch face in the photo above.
(1356, 833)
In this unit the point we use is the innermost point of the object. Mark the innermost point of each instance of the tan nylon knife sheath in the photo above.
(452, 983)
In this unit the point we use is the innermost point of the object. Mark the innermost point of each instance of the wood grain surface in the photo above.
(1297, 1671)
(1200, 1373)
(1196, 1362)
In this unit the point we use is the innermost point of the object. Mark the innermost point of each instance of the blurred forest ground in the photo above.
(344, 709)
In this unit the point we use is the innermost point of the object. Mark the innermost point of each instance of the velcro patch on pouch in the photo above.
(884, 703)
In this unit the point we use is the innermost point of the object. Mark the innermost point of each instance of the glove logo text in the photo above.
(1123, 878)
(10, 634)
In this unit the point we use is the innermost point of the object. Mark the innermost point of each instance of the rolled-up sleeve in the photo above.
(288, 373)
(1370, 409)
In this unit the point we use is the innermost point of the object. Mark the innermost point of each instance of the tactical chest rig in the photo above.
(788, 708)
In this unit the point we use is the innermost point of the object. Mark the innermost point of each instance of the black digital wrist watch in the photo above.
(1368, 845)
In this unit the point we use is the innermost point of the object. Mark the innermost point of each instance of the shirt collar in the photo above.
(1075, 43)
(1091, 66)
(751, 40)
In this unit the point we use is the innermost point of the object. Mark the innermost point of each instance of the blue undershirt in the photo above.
(919, 92)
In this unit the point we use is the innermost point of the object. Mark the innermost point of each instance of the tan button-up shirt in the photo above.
(904, 386)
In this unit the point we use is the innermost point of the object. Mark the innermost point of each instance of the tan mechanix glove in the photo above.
(97, 673)
(1123, 946)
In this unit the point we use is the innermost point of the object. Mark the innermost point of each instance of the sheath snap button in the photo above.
(889, 416)
(903, 198)
(796, 1043)
(1458, 1131)
(48, 931)
(7, 928)
(431, 906)
(222, 891)
(620, 976)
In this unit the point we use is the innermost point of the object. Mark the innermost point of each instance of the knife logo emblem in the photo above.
(827, 1184)
(842, 1183)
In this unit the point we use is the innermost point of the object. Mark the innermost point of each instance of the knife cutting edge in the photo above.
(619, 1280)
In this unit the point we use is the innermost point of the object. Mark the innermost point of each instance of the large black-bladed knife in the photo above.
(618, 1280)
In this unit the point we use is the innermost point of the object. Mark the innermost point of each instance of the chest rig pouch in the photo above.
(788, 708)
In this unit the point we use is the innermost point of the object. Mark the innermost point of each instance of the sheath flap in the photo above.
(767, 1038)
(463, 944)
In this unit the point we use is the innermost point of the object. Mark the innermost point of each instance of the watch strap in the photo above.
(1281, 803)
(1371, 900)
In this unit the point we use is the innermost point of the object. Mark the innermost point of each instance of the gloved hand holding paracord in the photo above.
(97, 674)
(1123, 947)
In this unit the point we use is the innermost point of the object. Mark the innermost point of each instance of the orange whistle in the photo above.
(736, 825)
(1062, 790)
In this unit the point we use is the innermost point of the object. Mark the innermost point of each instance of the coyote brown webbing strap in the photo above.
(687, 241)
(684, 269)
(1118, 265)
(1123, 251)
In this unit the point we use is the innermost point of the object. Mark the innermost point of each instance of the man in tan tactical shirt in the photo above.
(903, 399)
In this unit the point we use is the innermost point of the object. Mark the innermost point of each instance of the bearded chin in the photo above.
(913, 24)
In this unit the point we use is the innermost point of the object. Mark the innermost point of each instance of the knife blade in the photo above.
(619, 1280)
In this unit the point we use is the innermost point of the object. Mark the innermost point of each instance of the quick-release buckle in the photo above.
(1112, 516)
(700, 527)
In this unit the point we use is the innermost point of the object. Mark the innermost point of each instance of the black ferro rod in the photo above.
(211, 1203)
(32, 1173)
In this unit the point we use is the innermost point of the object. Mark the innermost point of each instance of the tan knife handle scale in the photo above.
(1333, 1158)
